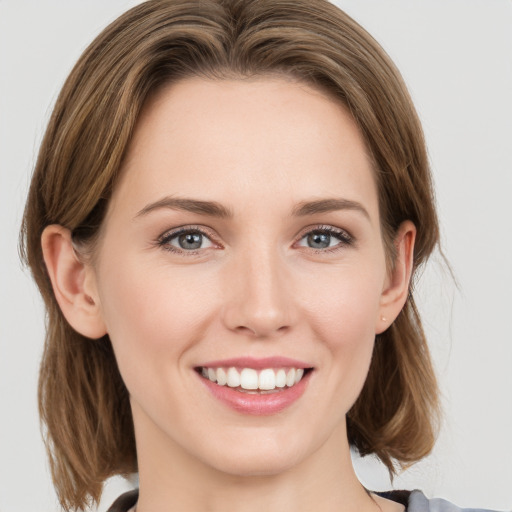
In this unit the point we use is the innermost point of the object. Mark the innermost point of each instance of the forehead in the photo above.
(246, 139)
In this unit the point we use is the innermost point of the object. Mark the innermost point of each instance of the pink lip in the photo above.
(257, 363)
(257, 404)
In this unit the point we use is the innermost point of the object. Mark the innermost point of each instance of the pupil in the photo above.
(319, 240)
(190, 241)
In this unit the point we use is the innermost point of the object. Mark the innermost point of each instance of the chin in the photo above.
(267, 457)
(259, 465)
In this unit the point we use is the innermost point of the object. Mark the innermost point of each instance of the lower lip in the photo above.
(257, 404)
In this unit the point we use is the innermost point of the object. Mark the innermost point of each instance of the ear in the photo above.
(73, 282)
(396, 288)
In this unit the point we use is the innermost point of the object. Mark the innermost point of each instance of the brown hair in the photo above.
(83, 401)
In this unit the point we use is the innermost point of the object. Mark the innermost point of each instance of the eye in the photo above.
(325, 237)
(183, 240)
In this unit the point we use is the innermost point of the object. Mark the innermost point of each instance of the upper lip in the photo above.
(257, 363)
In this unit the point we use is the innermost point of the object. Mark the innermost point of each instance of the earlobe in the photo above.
(73, 282)
(396, 290)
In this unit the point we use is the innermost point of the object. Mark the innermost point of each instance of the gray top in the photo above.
(414, 501)
(419, 503)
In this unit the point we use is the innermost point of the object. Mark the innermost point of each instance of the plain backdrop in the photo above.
(456, 57)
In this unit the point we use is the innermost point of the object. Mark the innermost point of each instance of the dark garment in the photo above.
(401, 497)
(414, 501)
(125, 502)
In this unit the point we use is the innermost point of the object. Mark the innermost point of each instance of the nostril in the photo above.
(261, 331)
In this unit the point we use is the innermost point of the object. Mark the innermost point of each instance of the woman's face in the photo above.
(243, 235)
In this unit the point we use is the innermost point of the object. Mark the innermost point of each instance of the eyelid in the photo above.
(166, 236)
(339, 232)
(344, 237)
(185, 228)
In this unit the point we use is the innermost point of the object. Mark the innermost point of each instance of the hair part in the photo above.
(83, 402)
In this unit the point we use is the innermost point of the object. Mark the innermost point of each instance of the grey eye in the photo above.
(326, 237)
(190, 241)
(319, 240)
(185, 240)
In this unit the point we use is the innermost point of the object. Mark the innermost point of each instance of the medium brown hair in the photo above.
(83, 402)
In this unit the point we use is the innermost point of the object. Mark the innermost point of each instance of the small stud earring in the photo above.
(383, 318)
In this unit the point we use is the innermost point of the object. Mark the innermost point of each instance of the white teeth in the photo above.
(233, 378)
(280, 379)
(267, 379)
(248, 379)
(221, 377)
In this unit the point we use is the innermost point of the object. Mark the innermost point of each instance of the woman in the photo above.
(228, 208)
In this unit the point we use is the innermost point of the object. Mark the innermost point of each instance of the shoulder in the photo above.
(415, 501)
(418, 502)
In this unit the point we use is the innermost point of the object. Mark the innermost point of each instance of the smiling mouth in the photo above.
(252, 381)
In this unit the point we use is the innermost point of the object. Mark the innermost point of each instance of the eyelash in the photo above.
(345, 239)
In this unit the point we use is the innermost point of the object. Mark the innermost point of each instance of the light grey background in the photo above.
(456, 57)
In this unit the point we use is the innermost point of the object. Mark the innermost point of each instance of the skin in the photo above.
(255, 287)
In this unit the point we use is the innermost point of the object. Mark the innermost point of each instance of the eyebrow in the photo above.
(328, 205)
(215, 209)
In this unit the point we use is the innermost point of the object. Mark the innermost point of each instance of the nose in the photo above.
(259, 295)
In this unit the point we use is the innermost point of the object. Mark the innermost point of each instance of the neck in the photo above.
(170, 479)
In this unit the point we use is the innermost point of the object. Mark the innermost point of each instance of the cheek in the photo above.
(344, 319)
(152, 314)
(345, 302)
